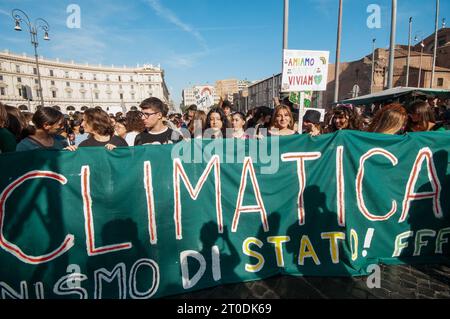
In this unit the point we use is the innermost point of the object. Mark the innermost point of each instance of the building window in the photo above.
(37, 93)
(95, 85)
(20, 91)
(81, 76)
(132, 96)
(34, 71)
(95, 77)
(131, 79)
(121, 96)
(66, 74)
(132, 87)
(440, 82)
(96, 96)
(17, 68)
(1, 77)
(83, 95)
(2, 91)
(69, 95)
(68, 84)
(82, 85)
(120, 86)
(54, 94)
(51, 73)
(19, 79)
(120, 78)
(52, 82)
(36, 81)
(149, 78)
(107, 77)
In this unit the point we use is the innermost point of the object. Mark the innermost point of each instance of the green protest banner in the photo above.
(153, 221)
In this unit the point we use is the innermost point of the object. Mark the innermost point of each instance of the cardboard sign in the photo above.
(304, 70)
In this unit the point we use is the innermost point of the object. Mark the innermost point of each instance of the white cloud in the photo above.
(185, 61)
(172, 18)
(5, 13)
(83, 47)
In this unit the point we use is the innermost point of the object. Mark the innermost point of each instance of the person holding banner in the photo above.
(391, 119)
(153, 113)
(238, 124)
(344, 118)
(216, 123)
(311, 123)
(101, 130)
(49, 123)
(282, 122)
(421, 118)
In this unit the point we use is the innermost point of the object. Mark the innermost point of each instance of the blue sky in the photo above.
(201, 41)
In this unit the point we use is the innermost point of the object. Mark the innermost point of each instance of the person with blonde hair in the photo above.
(282, 121)
(197, 124)
(391, 119)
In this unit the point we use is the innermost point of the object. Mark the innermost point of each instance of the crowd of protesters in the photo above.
(48, 128)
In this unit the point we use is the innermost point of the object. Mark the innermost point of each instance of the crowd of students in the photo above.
(48, 128)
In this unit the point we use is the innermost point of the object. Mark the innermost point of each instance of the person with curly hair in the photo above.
(98, 124)
(344, 118)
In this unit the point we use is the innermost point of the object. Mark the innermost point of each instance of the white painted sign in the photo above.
(204, 96)
(304, 70)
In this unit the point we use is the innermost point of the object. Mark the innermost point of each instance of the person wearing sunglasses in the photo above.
(156, 131)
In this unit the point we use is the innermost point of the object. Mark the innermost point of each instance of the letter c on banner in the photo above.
(15, 250)
(359, 183)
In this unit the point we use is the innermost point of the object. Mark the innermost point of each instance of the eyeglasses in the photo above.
(146, 115)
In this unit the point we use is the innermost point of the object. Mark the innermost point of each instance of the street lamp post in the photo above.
(373, 65)
(420, 63)
(435, 44)
(20, 16)
(338, 54)
(392, 44)
(409, 52)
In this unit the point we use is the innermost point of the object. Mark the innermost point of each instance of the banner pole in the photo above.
(300, 113)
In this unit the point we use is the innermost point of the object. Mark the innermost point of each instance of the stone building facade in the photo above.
(358, 73)
(70, 86)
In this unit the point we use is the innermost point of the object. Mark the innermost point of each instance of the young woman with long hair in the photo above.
(7, 139)
(197, 124)
(238, 125)
(216, 123)
(421, 118)
(391, 119)
(282, 121)
(344, 118)
(48, 123)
